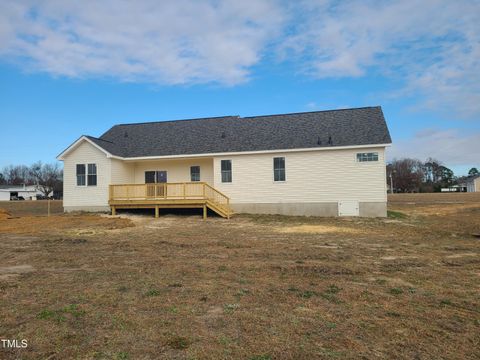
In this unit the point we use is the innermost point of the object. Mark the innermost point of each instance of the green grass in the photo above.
(152, 292)
(58, 315)
(261, 357)
(396, 214)
(396, 291)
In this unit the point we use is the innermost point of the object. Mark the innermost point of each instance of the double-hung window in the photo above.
(81, 175)
(226, 166)
(92, 175)
(278, 169)
(194, 173)
(86, 174)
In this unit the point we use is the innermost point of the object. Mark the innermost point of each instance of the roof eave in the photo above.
(182, 156)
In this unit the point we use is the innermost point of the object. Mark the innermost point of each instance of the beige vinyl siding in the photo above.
(311, 176)
(74, 195)
(177, 170)
(477, 184)
(122, 172)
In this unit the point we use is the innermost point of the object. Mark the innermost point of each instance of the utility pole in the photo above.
(391, 182)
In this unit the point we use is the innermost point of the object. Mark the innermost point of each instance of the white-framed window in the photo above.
(81, 175)
(226, 167)
(86, 174)
(279, 169)
(92, 175)
(194, 173)
(364, 157)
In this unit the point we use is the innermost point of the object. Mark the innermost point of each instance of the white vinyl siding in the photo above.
(73, 195)
(313, 176)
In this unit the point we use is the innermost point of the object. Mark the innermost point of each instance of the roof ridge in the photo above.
(313, 112)
(245, 117)
(96, 138)
(178, 120)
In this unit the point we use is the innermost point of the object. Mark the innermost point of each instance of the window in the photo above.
(361, 157)
(226, 171)
(92, 175)
(194, 173)
(81, 180)
(279, 169)
(152, 177)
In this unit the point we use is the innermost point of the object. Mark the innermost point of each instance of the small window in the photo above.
(279, 169)
(92, 174)
(226, 171)
(81, 180)
(194, 173)
(373, 156)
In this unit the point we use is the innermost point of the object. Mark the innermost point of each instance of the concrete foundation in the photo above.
(366, 209)
(373, 209)
(370, 209)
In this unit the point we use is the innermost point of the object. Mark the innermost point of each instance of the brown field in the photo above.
(254, 287)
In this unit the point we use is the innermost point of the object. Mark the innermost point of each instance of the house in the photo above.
(15, 192)
(471, 183)
(323, 163)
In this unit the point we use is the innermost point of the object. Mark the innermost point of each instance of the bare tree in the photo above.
(407, 174)
(47, 177)
(17, 175)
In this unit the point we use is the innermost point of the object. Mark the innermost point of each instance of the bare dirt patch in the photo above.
(78, 225)
(316, 229)
(4, 214)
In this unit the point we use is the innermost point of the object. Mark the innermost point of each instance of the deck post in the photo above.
(114, 211)
(204, 212)
(157, 211)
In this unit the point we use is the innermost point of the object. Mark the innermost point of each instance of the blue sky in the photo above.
(68, 69)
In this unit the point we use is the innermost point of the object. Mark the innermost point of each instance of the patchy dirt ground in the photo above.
(254, 287)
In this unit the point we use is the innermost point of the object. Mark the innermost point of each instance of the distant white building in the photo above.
(471, 183)
(16, 192)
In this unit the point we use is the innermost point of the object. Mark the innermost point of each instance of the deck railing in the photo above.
(168, 191)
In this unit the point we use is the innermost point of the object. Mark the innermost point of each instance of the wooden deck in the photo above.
(169, 195)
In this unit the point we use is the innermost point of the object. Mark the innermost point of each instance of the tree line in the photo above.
(413, 175)
(46, 177)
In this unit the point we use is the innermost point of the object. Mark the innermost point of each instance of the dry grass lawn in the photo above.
(254, 287)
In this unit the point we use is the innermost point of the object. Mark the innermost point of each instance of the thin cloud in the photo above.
(432, 46)
(451, 146)
(179, 42)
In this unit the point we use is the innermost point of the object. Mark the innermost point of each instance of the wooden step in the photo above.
(219, 209)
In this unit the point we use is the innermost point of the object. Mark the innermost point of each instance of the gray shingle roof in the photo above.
(360, 126)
